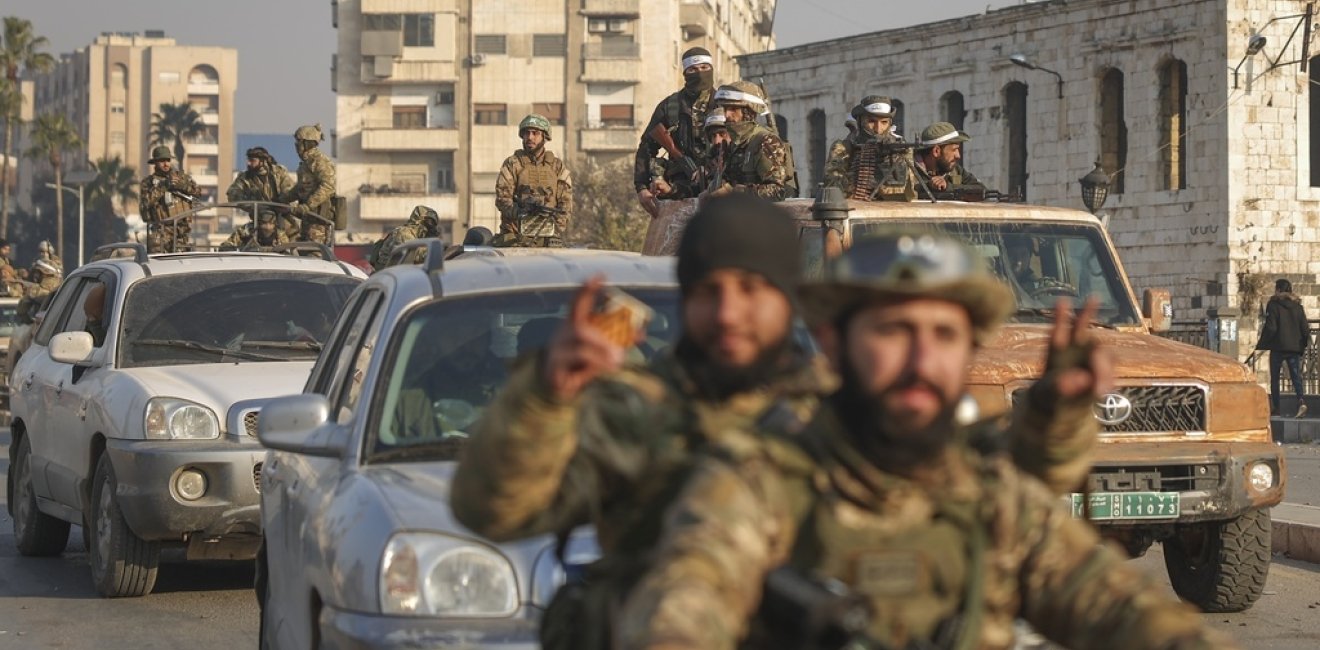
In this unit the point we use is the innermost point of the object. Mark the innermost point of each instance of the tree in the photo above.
(11, 105)
(173, 124)
(115, 185)
(20, 49)
(52, 135)
(606, 214)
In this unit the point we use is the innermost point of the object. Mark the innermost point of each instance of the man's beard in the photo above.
(719, 381)
(872, 429)
(534, 150)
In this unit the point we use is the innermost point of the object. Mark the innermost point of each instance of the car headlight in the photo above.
(1261, 477)
(169, 418)
(425, 574)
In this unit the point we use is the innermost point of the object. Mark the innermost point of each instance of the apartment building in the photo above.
(430, 92)
(110, 89)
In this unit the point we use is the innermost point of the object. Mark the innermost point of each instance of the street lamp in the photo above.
(1254, 46)
(79, 178)
(1095, 188)
(1021, 61)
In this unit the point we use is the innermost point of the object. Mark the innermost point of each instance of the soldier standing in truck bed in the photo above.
(166, 193)
(865, 165)
(757, 161)
(312, 198)
(534, 193)
(681, 114)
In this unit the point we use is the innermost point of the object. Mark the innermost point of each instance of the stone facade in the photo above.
(1214, 212)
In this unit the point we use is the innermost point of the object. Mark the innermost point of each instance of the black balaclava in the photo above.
(696, 82)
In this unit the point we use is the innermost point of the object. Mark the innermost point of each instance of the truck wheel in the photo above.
(36, 533)
(1220, 566)
(123, 564)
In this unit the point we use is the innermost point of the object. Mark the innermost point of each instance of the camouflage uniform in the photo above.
(247, 237)
(422, 223)
(270, 187)
(9, 278)
(757, 161)
(681, 114)
(526, 180)
(314, 190)
(943, 133)
(958, 176)
(861, 164)
(49, 282)
(159, 201)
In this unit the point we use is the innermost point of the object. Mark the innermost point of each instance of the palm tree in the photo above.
(20, 49)
(172, 124)
(52, 135)
(11, 104)
(113, 186)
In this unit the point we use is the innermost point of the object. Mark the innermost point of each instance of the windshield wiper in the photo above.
(312, 346)
(1048, 314)
(213, 349)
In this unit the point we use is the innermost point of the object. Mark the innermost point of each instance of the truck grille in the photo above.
(250, 423)
(1156, 409)
(1161, 478)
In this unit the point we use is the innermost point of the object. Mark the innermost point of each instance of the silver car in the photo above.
(361, 549)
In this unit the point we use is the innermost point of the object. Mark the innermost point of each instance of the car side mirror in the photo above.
(71, 347)
(297, 424)
(1157, 309)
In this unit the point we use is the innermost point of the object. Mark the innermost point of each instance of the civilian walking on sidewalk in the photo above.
(1286, 335)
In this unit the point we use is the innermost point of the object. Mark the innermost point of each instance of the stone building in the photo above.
(430, 92)
(110, 89)
(1215, 173)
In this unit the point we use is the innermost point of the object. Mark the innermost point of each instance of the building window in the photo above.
(952, 110)
(899, 115)
(419, 30)
(549, 45)
(382, 22)
(444, 172)
(167, 77)
(491, 44)
(409, 117)
(552, 112)
(616, 114)
(607, 25)
(491, 113)
(817, 147)
(1313, 71)
(408, 182)
(781, 126)
(1015, 127)
(1113, 129)
(1173, 124)
(117, 108)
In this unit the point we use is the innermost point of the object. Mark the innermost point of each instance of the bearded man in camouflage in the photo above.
(264, 236)
(312, 197)
(534, 193)
(163, 195)
(263, 180)
(757, 161)
(882, 492)
(867, 165)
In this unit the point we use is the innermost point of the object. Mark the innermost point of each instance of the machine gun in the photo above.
(973, 194)
(806, 613)
(686, 164)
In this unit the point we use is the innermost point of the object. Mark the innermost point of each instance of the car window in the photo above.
(323, 373)
(58, 310)
(229, 316)
(8, 319)
(88, 311)
(354, 357)
(448, 358)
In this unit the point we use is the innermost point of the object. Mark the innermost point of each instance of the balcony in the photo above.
(207, 180)
(384, 137)
(611, 8)
(695, 19)
(409, 6)
(397, 207)
(607, 139)
(609, 61)
(210, 117)
(382, 43)
(203, 87)
(201, 148)
(396, 71)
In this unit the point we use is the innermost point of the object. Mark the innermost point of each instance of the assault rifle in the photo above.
(809, 614)
(973, 194)
(688, 166)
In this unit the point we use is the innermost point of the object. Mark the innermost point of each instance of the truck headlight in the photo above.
(168, 418)
(426, 574)
(1260, 477)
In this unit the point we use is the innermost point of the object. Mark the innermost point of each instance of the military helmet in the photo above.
(874, 105)
(424, 215)
(160, 152)
(714, 121)
(309, 133)
(742, 94)
(537, 122)
(941, 133)
(905, 265)
(266, 216)
(45, 247)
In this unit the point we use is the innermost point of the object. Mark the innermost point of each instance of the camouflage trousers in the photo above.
(170, 238)
(504, 240)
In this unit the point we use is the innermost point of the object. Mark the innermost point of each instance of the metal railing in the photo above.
(1191, 332)
(1260, 361)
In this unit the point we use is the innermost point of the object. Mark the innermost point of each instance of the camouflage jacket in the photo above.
(158, 196)
(261, 187)
(315, 186)
(892, 172)
(9, 280)
(381, 250)
(758, 164)
(683, 117)
(525, 181)
(956, 550)
(246, 238)
(956, 176)
(47, 285)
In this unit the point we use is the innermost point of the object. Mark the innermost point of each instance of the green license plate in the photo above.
(1128, 505)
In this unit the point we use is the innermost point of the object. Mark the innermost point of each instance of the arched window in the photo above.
(899, 116)
(119, 76)
(1113, 129)
(203, 74)
(1173, 123)
(951, 109)
(1015, 134)
(781, 125)
(817, 147)
(1313, 71)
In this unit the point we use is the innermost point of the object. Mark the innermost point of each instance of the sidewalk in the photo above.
(1297, 531)
(1294, 431)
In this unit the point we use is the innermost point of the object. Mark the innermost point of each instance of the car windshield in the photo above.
(8, 319)
(229, 316)
(1041, 262)
(449, 358)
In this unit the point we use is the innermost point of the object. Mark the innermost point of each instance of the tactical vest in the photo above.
(879, 175)
(541, 181)
(743, 164)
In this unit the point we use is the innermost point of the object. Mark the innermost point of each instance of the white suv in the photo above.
(135, 409)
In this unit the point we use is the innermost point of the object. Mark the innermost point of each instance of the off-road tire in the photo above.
(123, 564)
(1221, 566)
(36, 533)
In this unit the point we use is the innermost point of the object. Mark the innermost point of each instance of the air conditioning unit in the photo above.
(477, 59)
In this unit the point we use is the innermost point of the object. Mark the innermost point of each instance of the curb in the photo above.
(1294, 431)
(1297, 540)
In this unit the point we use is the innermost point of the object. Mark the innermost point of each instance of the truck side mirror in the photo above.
(1157, 309)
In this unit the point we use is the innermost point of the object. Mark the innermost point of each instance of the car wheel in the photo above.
(123, 564)
(1221, 566)
(36, 533)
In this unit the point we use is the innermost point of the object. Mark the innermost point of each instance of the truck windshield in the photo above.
(1040, 261)
(229, 316)
(450, 357)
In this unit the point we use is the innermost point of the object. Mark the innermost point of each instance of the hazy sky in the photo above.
(284, 46)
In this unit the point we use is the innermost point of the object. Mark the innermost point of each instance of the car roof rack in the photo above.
(108, 250)
(436, 252)
(298, 247)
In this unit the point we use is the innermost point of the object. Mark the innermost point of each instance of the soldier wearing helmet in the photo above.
(939, 159)
(311, 199)
(681, 115)
(164, 194)
(263, 180)
(265, 236)
(422, 224)
(46, 279)
(867, 164)
(758, 161)
(534, 193)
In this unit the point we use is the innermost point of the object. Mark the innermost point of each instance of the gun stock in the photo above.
(661, 135)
